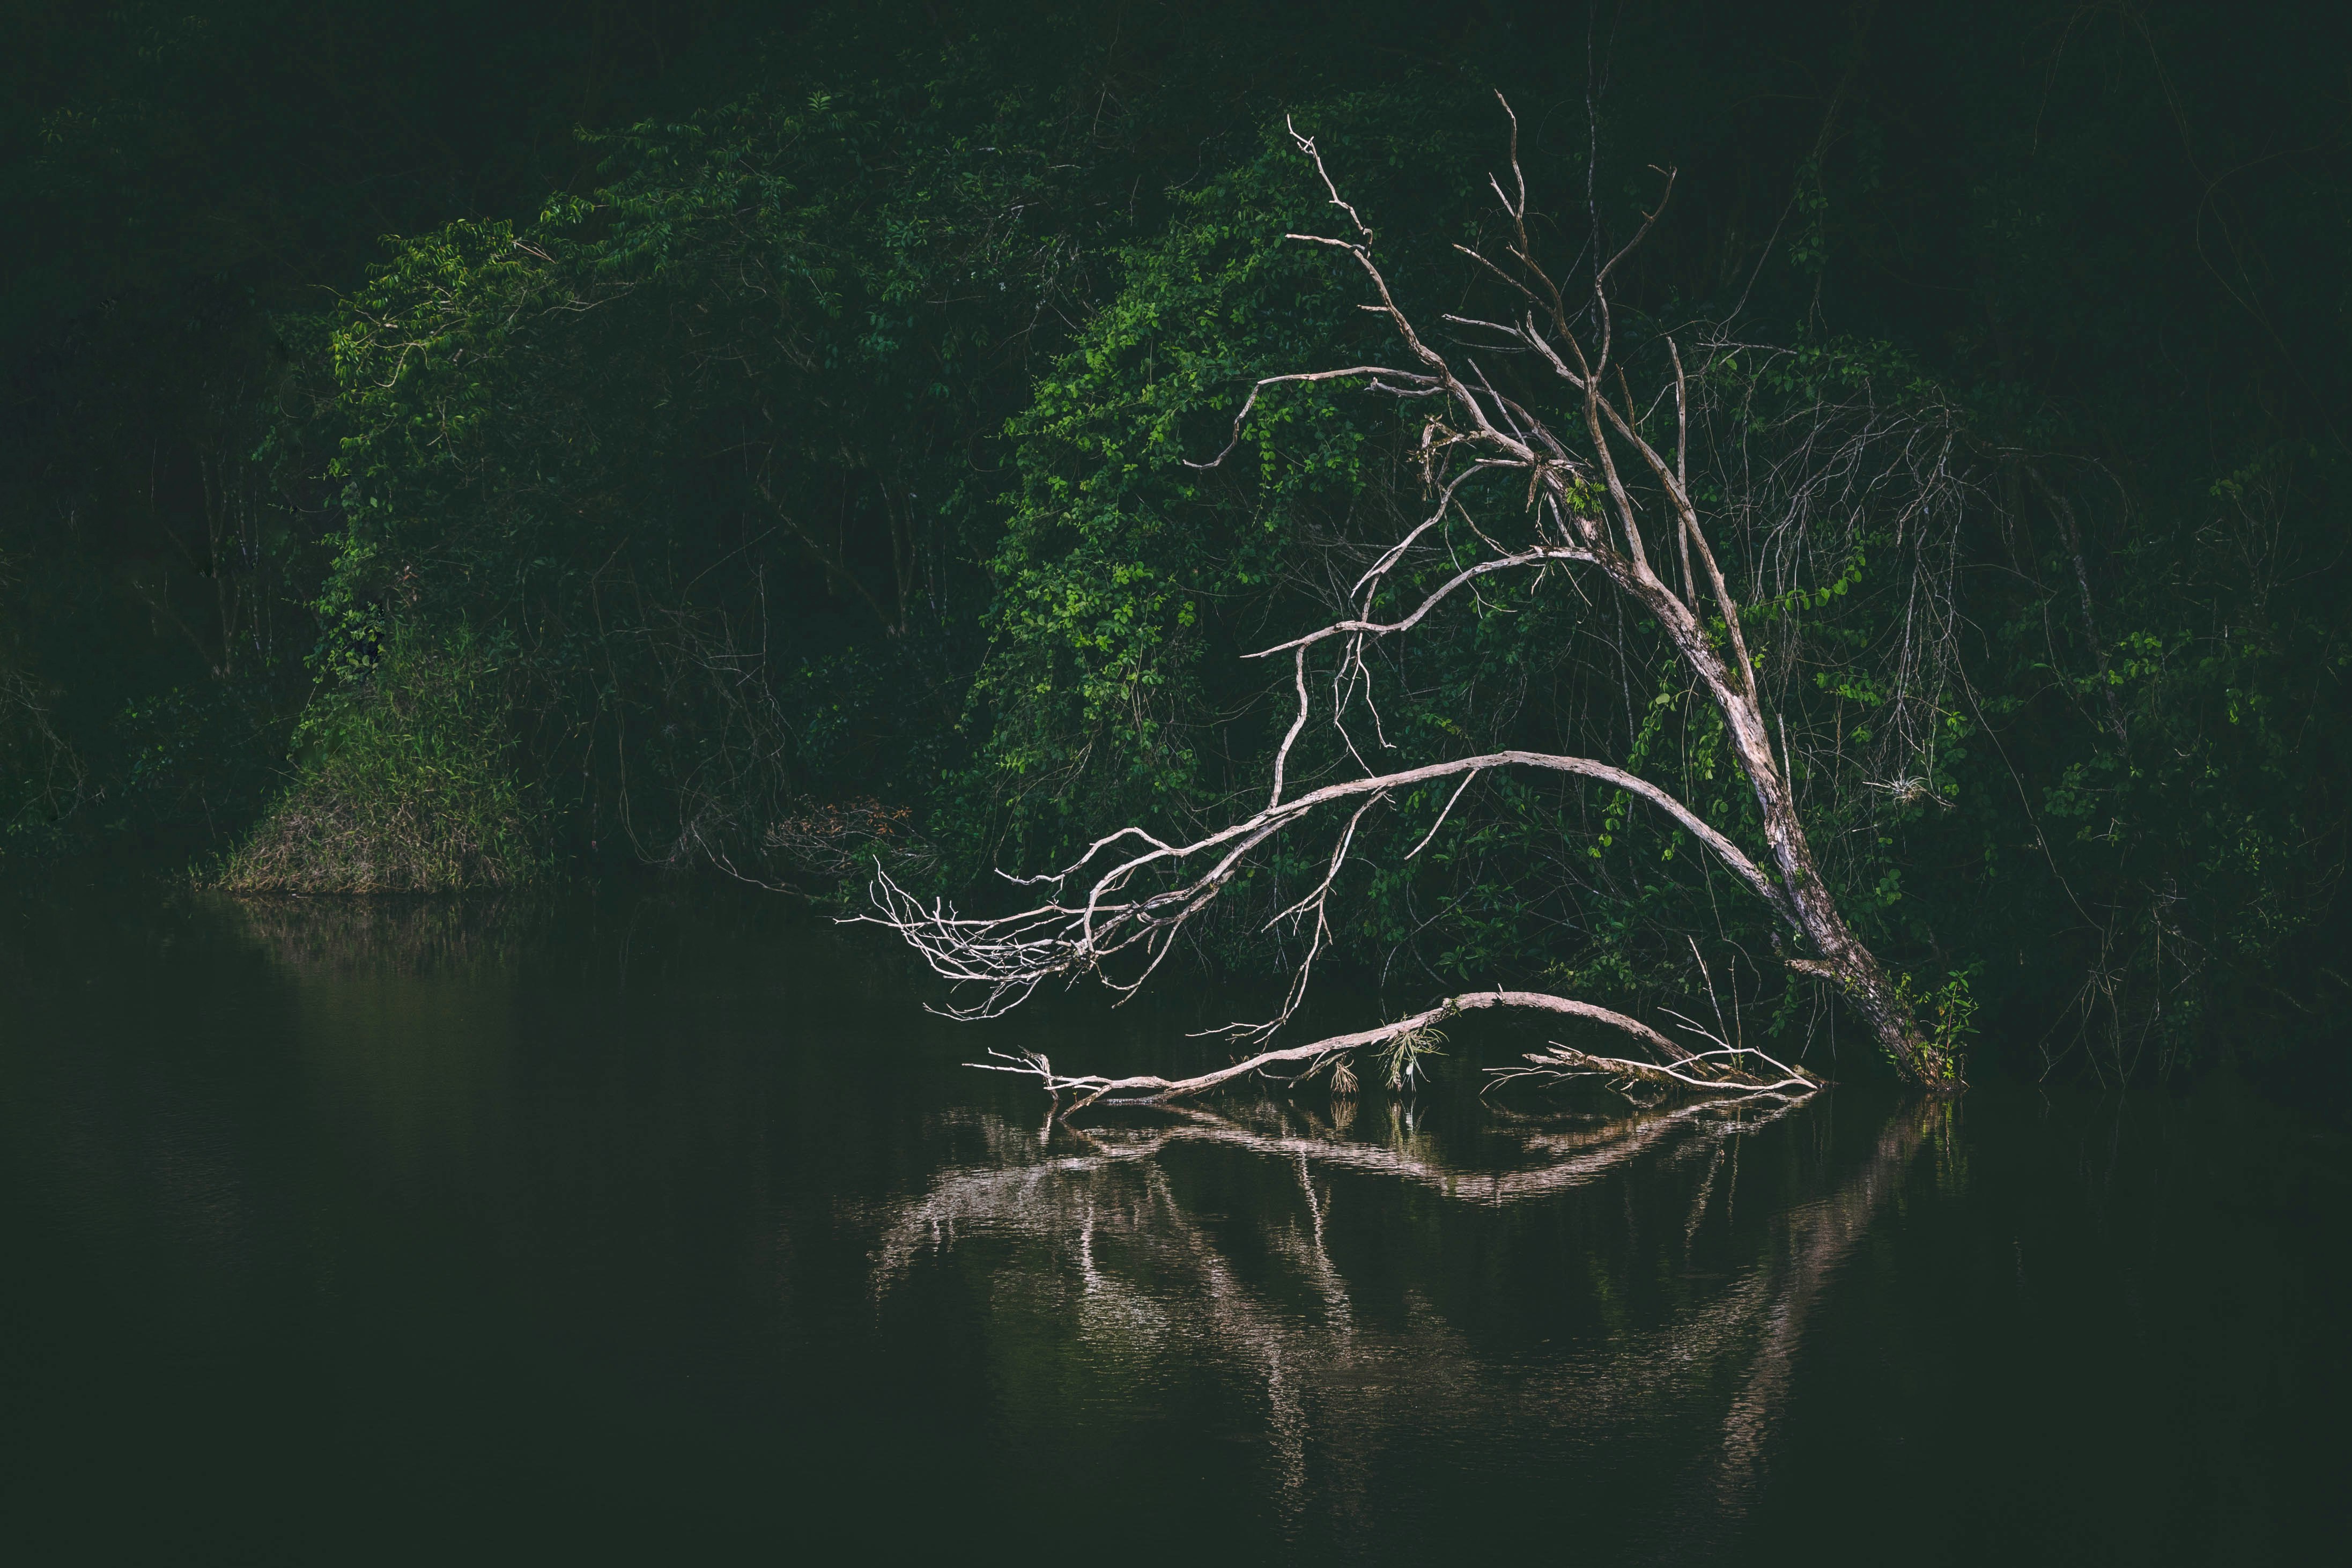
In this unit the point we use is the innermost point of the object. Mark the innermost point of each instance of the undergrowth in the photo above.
(405, 783)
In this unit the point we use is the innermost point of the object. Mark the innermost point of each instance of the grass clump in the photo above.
(406, 785)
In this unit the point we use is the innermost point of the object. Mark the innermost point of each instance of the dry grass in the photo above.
(326, 839)
(410, 789)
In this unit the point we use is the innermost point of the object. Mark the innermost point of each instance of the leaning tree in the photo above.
(1591, 493)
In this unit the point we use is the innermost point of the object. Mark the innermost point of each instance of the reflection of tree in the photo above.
(1815, 1241)
(415, 936)
(1143, 1279)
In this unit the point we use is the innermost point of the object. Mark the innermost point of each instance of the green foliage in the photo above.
(1947, 1018)
(816, 429)
(405, 783)
(1125, 577)
(1402, 1057)
(704, 443)
(46, 780)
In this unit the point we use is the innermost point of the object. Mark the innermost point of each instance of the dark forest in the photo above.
(1170, 781)
(448, 447)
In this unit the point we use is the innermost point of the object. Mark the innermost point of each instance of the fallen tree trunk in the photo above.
(1725, 1070)
(1575, 502)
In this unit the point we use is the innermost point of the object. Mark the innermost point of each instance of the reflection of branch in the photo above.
(1147, 1276)
(1584, 1153)
(1815, 1244)
(1573, 1159)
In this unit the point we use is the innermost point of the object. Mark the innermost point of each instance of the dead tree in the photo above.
(1578, 493)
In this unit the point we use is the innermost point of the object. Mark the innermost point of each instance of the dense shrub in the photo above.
(407, 786)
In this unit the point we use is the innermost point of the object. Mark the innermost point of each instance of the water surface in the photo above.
(669, 1223)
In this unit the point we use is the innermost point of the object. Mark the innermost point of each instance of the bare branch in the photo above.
(1259, 386)
(1536, 556)
(1149, 1088)
(1008, 956)
(1140, 891)
(1564, 1062)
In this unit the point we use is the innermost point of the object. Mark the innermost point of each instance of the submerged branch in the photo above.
(1722, 1071)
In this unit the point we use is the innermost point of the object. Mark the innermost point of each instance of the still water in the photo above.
(667, 1226)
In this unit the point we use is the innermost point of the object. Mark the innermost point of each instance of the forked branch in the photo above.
(1575, 505)
(1704, 1072)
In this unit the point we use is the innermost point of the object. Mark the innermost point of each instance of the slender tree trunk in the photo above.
(1582, 512)
(1809, 907)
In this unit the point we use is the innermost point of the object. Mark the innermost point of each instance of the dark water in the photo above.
(669, 1228)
